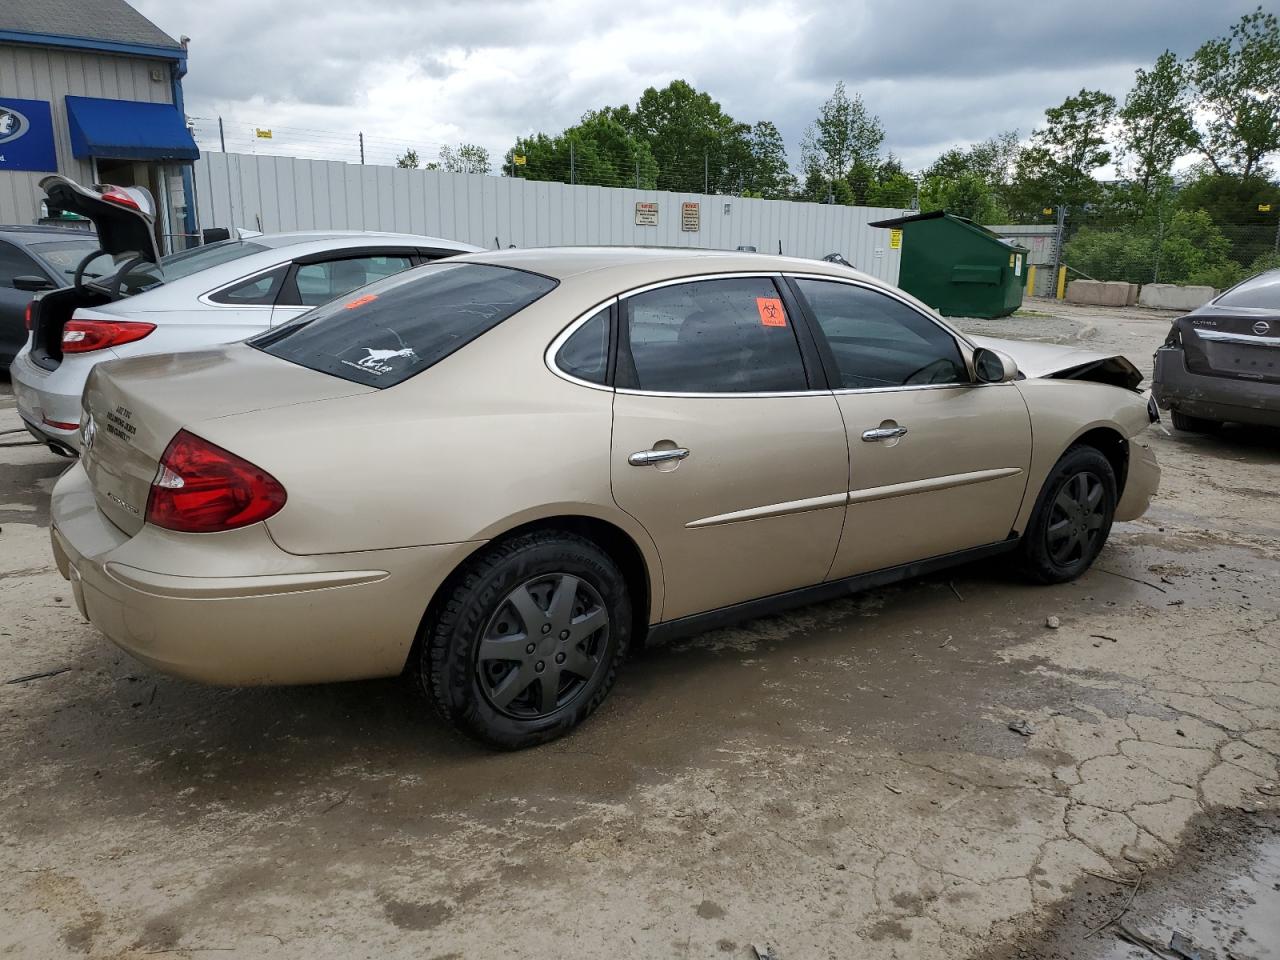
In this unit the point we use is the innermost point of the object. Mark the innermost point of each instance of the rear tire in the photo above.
(1072, 517)
(1182, 421)
(527, 640)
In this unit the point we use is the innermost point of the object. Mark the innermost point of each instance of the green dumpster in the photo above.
(959, 268)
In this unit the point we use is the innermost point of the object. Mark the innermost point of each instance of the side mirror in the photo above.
(992, 366)
(32, 284)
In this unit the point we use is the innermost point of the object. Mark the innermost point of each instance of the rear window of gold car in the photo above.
(387, 332)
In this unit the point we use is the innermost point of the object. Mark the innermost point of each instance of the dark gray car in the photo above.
(1222, 361)
(33, 259)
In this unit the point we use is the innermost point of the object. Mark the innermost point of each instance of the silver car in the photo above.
(126, 300)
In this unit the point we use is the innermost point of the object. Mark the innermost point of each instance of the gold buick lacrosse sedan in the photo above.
(498, 472)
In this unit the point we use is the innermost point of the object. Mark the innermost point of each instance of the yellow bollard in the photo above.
(1031, 280)
(1062, 282)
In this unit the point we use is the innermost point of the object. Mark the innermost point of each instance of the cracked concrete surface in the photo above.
(840, 781)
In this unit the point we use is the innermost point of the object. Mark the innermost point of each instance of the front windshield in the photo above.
(65, 255)
(145, 276)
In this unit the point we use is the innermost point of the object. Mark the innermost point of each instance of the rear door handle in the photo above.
(883, 433)
(644, 458)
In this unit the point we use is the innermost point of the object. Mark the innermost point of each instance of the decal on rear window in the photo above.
(405, 323)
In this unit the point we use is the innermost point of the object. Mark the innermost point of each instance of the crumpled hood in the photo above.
(1054, 361)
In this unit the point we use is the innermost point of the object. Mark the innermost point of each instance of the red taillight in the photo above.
(201, 488)
(118, 196)
(85, 336)
(26, 316)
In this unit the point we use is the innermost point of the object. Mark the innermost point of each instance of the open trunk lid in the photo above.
(123, 216)
(133, 408)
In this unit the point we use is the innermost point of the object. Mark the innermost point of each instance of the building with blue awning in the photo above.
(98, 98)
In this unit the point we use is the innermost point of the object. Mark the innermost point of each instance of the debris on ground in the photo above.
(892, 789)
(1053, 623)
(1183, 946)
(764, 953)
(39, 676)
(952, 585)
(1140, 940)
(1023, 727)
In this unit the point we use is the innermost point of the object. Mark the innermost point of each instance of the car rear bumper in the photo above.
(49, 403)
(1142, 480)
(1212, 398)
(233, 608)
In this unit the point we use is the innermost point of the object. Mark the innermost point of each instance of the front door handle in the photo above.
(644, 458)
(883, 433)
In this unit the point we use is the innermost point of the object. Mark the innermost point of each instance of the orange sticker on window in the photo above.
(361, 301)
(771, 312)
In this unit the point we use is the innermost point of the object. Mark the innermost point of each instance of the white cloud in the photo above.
(423, 74)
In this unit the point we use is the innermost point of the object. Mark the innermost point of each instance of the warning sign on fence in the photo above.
(690, 217)
(646, 214)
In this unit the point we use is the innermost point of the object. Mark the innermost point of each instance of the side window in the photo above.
(256, 291)
(879, 341)
(319, 283)
(712, 336)
(585, 354)
(15, 263)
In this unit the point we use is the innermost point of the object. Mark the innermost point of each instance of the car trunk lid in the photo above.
(124, 217)
(133, 409)
(1236, 344)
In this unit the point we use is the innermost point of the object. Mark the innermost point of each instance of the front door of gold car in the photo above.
(937, 463)
(723, 447)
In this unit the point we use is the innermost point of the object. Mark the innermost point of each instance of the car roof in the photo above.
(356, 238)
(35, 233)
(642, 264)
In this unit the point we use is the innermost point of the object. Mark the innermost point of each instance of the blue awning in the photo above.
(128, 130)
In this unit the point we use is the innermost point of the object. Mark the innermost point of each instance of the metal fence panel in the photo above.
(274, 193)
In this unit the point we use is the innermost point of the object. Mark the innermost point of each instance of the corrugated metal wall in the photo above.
(284, 193)
(49, 73)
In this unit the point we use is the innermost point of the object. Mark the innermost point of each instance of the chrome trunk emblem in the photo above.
(1262, 328)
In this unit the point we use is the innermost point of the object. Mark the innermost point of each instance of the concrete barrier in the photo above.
(1096, 293)
(1172, 296)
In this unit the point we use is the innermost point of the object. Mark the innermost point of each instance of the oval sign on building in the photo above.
(26, 135)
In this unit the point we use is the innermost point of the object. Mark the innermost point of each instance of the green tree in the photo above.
(1156, 126)
(966, 194)
(1232, 200)
(696, 144)
(768, 174)
(408, 160)
(844, 135)
(464, 158)
(1186, 248)
(599, 151)
(1236, 79)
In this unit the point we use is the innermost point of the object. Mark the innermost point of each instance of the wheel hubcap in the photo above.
(542, 646)
(1076, 519)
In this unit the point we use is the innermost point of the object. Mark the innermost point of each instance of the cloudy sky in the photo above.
(426, 72)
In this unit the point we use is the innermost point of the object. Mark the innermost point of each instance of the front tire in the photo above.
(527, 640)
(1072, 517)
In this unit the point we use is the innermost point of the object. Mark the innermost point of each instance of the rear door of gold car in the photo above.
(937, 462)
(726, 446)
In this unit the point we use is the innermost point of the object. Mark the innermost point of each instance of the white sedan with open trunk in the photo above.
(126, 300)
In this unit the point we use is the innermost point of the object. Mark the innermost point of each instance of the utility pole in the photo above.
(222, 138)
(362, 147)
(706, 173)
(637, 173)
(573, 170)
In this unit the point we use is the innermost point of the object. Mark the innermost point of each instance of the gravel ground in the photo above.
(840, 781)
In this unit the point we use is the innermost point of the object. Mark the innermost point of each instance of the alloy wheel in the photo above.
(543, 645)
(1076, 519)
